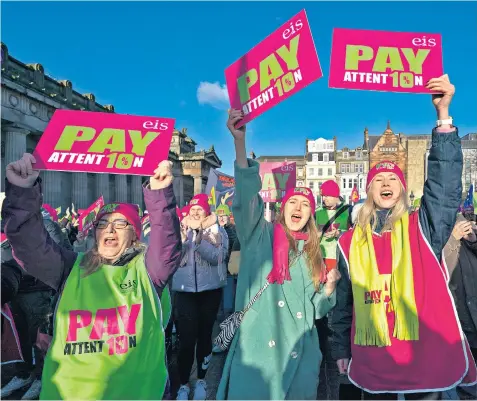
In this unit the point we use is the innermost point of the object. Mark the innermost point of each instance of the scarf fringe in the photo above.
(373, 336)
(406, 328)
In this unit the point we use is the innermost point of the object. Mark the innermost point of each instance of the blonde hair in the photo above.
(92, 260)
(367, 214)
(312, 249)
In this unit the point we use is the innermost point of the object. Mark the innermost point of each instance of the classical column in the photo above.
(51, 187)
(121, 184)
(80, 190)
(15, 143)
(102, 187)
(136, 190)
(197, 184)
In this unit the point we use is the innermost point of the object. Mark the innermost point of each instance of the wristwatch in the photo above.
(447, 121)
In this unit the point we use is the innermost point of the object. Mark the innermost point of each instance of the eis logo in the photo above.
(128, 286)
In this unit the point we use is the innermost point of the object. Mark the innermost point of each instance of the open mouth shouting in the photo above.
(386, 194)
(296, 217)
(110, 241)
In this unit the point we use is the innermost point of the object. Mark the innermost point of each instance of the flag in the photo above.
(469, 201)
(355, 195)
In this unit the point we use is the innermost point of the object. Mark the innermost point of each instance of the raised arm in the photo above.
(164, 250)
(248, 204)
(443, 187)
(33, 248)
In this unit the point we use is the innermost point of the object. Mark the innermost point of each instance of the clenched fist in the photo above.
(332, 279)
(21, 173)
(162, 177)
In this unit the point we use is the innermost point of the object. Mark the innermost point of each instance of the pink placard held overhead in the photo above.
(93, 142)
(384, 61)
(279, 66)
(277, 179)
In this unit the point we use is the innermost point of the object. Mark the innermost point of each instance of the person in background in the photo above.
(332, 219)
(395, 325)
(31, 308)
(118, 281)
(198, 285)
(460, 255)
(84, 243)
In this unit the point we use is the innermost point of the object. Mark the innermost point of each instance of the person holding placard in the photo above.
(275, 351)
(394, 315)
(108, 341)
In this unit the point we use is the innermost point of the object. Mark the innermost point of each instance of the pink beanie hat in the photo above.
(385, 167)
(201, 200)
(301, 191)
(129, 210)
(330, 188)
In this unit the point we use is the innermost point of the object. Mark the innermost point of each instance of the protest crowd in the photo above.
(95, 301)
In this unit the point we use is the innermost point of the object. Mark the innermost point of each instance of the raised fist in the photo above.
(21, 173)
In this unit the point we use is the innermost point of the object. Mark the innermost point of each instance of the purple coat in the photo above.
(42, 258)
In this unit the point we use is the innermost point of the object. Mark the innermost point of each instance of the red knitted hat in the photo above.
(300, 191)
(201, 200)
(128, 210)
(330, 188)
(385, 167)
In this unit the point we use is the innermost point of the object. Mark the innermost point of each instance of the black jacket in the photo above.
(437, 215)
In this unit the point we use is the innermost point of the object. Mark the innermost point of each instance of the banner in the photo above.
(384, 61)
(220, 188)
(277, 178)
(279, 66)
(94, 142)
(86, 219)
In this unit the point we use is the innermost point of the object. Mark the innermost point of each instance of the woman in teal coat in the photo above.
(275, 353)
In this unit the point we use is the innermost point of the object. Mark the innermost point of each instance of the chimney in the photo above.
(366, 138)
(252, 155)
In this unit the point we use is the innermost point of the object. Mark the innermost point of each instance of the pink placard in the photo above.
(384, 61)
(277, 178)
(279, 66)
(86, 219)
(95, 142)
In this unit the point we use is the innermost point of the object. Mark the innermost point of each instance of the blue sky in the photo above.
(168, 59)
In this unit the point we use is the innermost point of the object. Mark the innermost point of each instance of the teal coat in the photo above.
(275, 353)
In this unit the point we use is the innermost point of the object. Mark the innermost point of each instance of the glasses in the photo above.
(117, 224)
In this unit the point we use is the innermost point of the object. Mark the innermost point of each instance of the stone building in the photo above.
(300, 165)
(352, 166)
(469, 172)
(387, 146)
(320, 163)
(417, 147)
(29, 99)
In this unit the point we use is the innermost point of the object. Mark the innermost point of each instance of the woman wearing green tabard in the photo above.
(108, 340)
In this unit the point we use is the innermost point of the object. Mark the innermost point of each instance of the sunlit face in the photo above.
(197, 213)
(297, 212)
(385, 190)
(113, 235)
(330, 202)
(223, 219)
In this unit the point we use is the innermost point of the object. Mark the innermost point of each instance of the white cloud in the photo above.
(214, 94)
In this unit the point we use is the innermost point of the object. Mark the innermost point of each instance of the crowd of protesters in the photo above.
(90, 314)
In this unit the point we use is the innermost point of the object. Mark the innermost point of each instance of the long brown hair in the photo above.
(311, 249)
(92, 260)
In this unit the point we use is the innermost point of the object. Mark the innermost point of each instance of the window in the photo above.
(314, 157)
(311, 171)
(358, 168)
(330, 145)
(345, 168)
(320, 172)
(358, 155)
(319, 185)
(311, 185)
(300, 172)
(330, 171)
(350, 183)
(345, 155)
(299, 183)
(326, 157)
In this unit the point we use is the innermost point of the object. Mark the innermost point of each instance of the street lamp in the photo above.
(411, 197)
